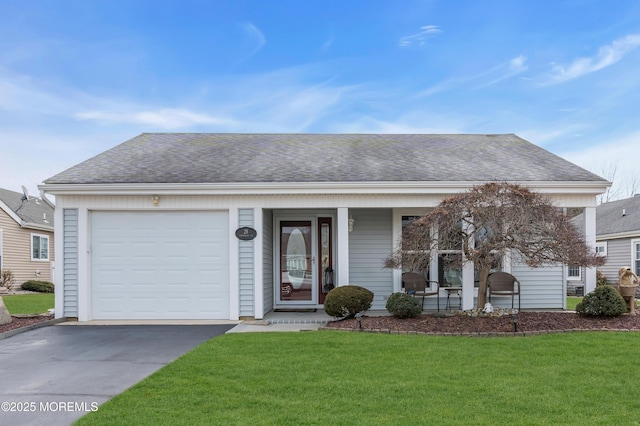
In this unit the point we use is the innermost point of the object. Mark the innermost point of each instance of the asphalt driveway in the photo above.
(55, 375)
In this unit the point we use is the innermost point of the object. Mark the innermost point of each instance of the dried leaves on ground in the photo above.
(459, 324)
(23, 321)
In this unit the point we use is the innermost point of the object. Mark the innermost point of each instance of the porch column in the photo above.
(467, 276)
(58, 279)
(343, 247)
(258, 290)
(590, 238)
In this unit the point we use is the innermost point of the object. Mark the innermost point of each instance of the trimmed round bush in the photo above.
(39, 286)
(346, 301)
(604, 301)
(402, 305)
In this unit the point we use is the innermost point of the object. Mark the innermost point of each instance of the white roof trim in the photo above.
(11, 213)
(275, 188)
(619, 235)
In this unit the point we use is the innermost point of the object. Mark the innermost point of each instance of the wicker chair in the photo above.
(416, 285)
(504, 284)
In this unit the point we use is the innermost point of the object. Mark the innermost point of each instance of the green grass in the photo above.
(342, 378)
(572, 302)
(29, 303)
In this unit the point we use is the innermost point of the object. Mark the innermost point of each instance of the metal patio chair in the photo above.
(416, 285)
(504, 284)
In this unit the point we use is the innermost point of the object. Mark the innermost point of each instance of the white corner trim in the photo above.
(234, 265)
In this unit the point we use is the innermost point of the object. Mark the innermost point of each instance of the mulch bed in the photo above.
(528, 323)
(23, 321)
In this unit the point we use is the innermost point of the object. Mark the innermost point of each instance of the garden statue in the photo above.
(627, 284)
(5, 316)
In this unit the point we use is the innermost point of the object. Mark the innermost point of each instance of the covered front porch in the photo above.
(353, 242)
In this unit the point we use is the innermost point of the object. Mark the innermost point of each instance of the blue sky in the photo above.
(79, 77)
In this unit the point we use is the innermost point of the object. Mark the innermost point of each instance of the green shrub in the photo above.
(39, 286)
(402, 305)
(603, 301)
(347, 301)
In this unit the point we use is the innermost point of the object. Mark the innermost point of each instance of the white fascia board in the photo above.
(278, 188)
(11, 213)
(37, 227)
(618, 236)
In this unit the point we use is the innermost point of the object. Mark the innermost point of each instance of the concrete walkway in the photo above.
(284, 321)
(290, 321)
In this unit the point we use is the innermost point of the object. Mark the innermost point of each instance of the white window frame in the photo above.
(635, 256)
(0, 249)
(601, 245)
(40, 259)
(574, 277)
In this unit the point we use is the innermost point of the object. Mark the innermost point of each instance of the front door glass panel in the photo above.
(296, 261)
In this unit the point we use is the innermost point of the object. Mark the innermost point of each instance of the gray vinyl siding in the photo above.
(542, 288)
(618, 255)
(246, 263)
(267, 259)
(70, 262)
(369, 243)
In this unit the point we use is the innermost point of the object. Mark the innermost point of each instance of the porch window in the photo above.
(448, 274)
(39, 247)
(406, 221)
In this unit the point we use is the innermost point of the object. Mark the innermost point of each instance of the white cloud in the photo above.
(505, 71)
(606, 56)
(420, 38)
(406, 124)
(33, 155)
(327, 44)
(617, 153)
(255, 36)
(485, 78)
(166, 118)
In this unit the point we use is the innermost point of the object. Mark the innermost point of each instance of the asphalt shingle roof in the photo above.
(610, 218)
(32, 211)
(242, 158)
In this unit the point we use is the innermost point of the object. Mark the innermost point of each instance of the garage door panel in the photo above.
(160, 265)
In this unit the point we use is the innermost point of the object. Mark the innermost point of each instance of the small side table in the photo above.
(457, 291)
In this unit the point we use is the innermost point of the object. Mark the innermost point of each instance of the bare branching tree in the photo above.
(624, 183)
(489, 222)
(609, 172)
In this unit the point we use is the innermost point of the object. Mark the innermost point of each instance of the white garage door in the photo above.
(160, 265)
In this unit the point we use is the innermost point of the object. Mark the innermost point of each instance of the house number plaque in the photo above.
(246, 234)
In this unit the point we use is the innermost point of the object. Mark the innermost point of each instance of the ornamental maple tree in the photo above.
(488, 222)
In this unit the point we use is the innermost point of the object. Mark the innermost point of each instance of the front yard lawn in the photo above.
(350, 378)
(29, 303)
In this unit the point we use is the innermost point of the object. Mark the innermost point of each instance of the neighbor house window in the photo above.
(573, 272)
(39, 247)
(601, 249)
(636, 257)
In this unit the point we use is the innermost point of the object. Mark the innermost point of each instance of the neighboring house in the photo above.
(618, 236)
(26, 237)
(224, 226)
